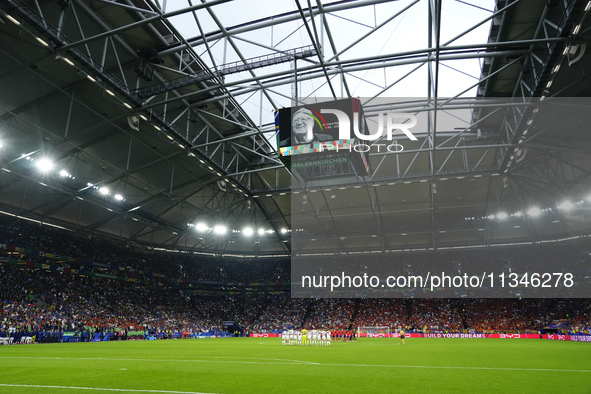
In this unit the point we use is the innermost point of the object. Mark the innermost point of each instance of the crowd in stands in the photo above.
(33, 299)
(497, 315)
(331, 313)
(392, 312)
(280, 312)
(31, 235)
(39, 300)
(436, 315)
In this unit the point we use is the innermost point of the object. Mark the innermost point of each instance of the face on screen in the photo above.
(302, 125)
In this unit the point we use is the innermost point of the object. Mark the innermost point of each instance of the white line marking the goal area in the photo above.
(300, 363)
(38, 386)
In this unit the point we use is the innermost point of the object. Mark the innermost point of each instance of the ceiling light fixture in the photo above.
(44, 165)
(10, 18)
(46, 44)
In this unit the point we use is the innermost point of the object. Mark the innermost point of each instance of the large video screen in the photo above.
(317, 127)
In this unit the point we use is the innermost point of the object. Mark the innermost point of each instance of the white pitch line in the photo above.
(38, 386)
(265, 358)
(312, 365)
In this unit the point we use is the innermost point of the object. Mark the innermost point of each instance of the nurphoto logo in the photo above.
(389, 121)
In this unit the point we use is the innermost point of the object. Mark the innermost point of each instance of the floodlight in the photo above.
(566, 205)
(248, 231)
(118, 197)
(219, 230)
(201, 227)
(534, 212)
(261, 231)
(64, 173)
(44, 165)
(501, 215)
(104, 191)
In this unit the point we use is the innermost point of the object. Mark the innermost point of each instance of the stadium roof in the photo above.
(152, 125)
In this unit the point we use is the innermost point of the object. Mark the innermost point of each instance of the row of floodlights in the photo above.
(92, 79)
(105, 191)
(373, 185)
(111, 93)
(66, 60)
(45, 166)
(89, 77)
(128, 106)
(532, 212)
(221, 230)
(380, 184)
(568, 49)
(16, 22)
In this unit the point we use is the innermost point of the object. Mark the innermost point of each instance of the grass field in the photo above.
(262, 365)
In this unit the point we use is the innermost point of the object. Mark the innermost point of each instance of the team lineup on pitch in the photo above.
(316, 337)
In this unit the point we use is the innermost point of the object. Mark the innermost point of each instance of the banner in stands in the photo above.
(556, 325)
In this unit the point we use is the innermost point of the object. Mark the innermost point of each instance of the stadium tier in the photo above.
(56, 294)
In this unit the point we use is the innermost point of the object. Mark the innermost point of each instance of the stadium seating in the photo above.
(37, 302)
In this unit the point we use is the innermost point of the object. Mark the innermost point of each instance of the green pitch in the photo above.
(263, 365)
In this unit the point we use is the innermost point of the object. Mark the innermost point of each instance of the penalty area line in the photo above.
(39, 386)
